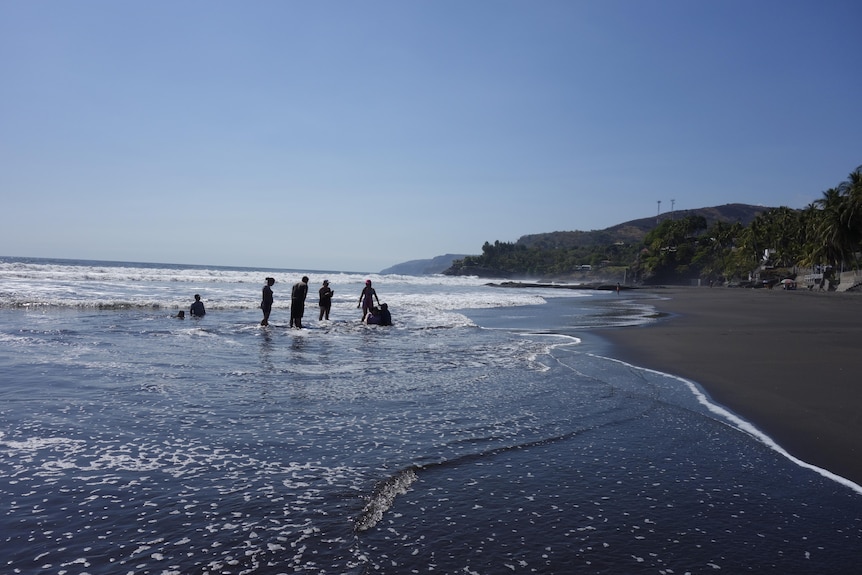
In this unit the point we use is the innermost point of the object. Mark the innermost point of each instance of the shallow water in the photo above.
(486, 432)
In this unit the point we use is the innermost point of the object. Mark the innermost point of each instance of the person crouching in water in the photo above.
(385, 316)
(379, 316)
(373, 316)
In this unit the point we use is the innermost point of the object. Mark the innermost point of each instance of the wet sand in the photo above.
(790, 362)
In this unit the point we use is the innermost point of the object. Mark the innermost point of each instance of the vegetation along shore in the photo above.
(736, 244)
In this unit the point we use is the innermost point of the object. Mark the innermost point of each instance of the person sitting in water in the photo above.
(197, 309)
(385, 316)
(180, 315)
(379, 316)
(373, 316)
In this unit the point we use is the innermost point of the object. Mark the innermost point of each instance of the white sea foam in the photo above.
(743, 425)
(418, 301)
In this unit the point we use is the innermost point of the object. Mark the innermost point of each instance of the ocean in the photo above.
(487, 431)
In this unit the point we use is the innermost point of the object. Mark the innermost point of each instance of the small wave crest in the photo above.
(383, 497)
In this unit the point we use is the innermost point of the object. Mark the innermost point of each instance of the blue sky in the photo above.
(357, 135)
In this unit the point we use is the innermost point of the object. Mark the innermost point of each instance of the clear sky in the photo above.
(357, 135)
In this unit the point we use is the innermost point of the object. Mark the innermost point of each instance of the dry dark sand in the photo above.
(790, 362)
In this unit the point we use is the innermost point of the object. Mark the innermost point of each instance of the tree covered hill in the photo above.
(734, 244)
(611, 253)
(590, 245)
(635, 231)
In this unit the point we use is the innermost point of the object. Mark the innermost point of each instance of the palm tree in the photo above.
(830, 231)
(852, 190)
(811, 246)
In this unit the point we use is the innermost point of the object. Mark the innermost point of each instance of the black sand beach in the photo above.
(790, 362)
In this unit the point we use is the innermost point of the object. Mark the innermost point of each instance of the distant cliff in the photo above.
(424, 267)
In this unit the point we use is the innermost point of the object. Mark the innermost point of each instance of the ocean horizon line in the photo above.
(39, 259)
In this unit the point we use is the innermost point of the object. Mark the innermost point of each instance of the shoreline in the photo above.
(788, 362)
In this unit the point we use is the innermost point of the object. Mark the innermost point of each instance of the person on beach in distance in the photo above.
(325, 300)
(266, 301)
(197, 309)
(365, 298)
(297, 302)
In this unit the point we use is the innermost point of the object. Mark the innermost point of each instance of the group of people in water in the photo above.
(371, 314)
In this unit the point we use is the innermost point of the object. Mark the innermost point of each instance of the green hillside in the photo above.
(634, 231)
(732, 243)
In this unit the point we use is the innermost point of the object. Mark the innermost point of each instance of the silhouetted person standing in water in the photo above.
(297, 302)
(325, 300)
(266, 301)
(197, 308)
(365, 299)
